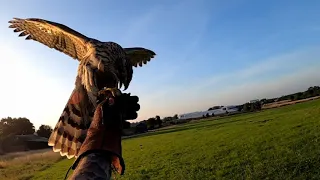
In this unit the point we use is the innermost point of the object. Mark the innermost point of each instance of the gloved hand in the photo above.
(104, 133)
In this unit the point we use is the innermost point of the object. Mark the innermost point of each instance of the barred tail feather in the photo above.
(71, 129)
(65, 140)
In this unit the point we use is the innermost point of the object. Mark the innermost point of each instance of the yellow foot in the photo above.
(114, 91)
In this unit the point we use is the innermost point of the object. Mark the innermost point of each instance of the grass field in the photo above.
(23, 165)
(281, 143)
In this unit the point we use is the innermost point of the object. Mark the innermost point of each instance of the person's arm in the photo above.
(101, 151)
(92, 166)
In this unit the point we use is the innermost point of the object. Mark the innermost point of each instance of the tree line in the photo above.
(256, 106)
(22, 126)
(157, 122)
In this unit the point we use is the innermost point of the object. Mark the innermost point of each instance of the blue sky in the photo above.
(209, 52)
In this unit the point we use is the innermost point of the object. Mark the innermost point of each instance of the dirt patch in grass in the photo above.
(287, 102)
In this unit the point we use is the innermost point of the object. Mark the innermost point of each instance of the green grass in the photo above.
(280, 143)
(23, 165)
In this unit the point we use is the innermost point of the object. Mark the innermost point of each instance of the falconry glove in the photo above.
(104, 133)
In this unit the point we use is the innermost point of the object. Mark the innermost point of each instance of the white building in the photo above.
(216, 112)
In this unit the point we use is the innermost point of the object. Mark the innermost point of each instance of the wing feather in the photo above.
(139, 55)
(53, 35)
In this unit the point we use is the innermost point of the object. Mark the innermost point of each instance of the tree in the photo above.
(141, 127)
(151, 122)
(16, 126)
(298, 96)
(240, 107)
(310, 92)
(175, 116)
(263, 101)
(257, 106)
(126, 125)
(291, 97)
(246, 107)
(316, 90)
(44, 131)
(158, 121)
(167, 119)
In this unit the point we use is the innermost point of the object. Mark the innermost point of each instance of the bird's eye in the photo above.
(95, 70)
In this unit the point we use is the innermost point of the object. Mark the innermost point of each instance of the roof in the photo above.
(32, 137)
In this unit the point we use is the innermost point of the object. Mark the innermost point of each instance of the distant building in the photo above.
(33, 141)
(214, 111)
(24, 143)
(32, 138)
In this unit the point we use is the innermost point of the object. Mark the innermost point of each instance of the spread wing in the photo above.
(53, 35)
(71, 129)
(139, 56)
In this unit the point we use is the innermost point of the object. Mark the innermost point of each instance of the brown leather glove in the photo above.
(104, 133)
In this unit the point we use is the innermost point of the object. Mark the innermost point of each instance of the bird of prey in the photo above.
(101, 65)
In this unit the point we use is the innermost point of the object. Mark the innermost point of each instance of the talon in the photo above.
(114, 91)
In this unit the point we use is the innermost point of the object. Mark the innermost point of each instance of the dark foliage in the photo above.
(16, 126)
(44, 131)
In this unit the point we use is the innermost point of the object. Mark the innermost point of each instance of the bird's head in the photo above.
(114, 74)
(118, 76)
